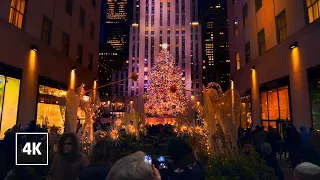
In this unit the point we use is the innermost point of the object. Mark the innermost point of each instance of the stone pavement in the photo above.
(286, 169)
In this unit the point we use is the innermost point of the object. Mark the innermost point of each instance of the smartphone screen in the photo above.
(161, 159)
(148, 159)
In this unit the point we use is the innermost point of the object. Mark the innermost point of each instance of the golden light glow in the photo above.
(114, 134)
(232, 84)
(86, 98)
(295, 60)
(254, 78)
(165, 46)
(94, 92)
(198, 103)
(108, 102)
(131, 102)
(32, 63)
(183, 128)
(192, 97)
(194, 23)
(72, 79)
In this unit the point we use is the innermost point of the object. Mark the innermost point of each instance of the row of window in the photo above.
(161, 11)
(313, 9)
(17, 13)
(281, 36)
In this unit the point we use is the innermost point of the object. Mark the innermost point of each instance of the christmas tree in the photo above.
(165, 95)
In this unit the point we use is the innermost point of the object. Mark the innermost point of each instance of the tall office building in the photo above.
(171, 22)
(114, 44)
(274, 61)
(216, 62)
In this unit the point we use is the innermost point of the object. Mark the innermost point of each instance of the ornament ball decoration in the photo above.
(173, 88)
(134, 76)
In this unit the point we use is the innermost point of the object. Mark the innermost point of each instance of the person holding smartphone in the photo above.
(186, 167)
(136, 166)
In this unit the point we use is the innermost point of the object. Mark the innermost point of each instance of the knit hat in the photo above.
(307, 171)
(266, 149)
(178, 149)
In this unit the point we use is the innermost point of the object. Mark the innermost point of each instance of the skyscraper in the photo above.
(114, 44)
(158, 22)
(214, 23)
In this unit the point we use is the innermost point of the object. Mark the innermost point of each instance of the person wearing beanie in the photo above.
(271, 160)
(185, 164)
(307, 171)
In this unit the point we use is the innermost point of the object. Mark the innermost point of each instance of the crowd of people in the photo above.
(294, 146)
(107, 162)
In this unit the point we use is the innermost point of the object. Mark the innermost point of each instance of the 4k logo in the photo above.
(32, 149)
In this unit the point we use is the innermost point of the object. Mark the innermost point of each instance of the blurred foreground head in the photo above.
(132, 167)
(307, 171)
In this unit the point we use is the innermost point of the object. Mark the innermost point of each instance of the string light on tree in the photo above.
(162, 97)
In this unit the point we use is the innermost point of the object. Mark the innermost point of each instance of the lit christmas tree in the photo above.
(165, 95)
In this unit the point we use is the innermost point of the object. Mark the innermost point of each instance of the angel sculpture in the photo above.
(222, 113)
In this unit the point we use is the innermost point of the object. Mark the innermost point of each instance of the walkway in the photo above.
(286, 169)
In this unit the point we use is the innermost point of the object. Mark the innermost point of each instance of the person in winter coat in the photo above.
(271, 160)
(185, 164)
(69, 161)
(102, 158)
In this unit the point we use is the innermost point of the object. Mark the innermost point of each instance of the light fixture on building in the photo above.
(293, 45)
(95, 79)
(253, 68)
(73, 68)
(164, 46)
(34, 48)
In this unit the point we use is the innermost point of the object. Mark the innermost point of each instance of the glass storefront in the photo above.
(51, 104)
(275, 104)
(314, 91)
(245, 112)
(9, 100)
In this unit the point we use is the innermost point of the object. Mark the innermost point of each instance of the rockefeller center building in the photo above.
(274, 62)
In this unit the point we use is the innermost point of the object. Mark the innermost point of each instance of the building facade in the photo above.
(44, 51)
(114, 50)
(216, 61)
(274, 62)
(157, 22)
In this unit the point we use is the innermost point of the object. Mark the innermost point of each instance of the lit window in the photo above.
(313, 7)
(237, 61)
(235, 27)
(17, 12)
